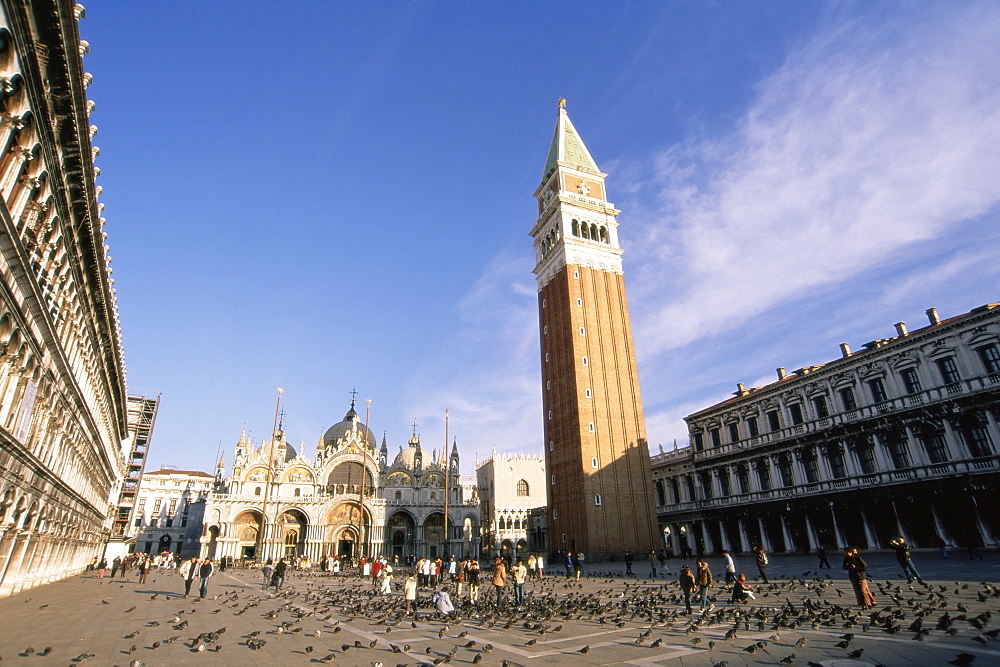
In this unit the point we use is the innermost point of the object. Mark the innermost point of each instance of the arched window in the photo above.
(522, 488)
(298, 492)
(256, 491)
(576, 228)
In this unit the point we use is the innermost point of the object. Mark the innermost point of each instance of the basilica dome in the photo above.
(343, 431)
(406, 457)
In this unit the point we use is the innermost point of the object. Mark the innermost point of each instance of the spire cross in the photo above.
(354, 394)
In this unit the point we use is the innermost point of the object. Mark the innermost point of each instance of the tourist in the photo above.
(821, 554)
(499, 578)
(761, 562)
(741, 591)
(385, 577)
(532, 565)
(857, 571)
(902, 550)
(578, 565)
(688, 584)
(410, 593)
(442, 600)
(520, 574)
(569, 564)
(144, 565)
(540, 564)
(730, 567)
(206, 571)
(652, 564)
(628, 564)
(268, 571)
(473, 580)
(189, 572)
(115, 564)
(705, 582)
(101, 567)
(279, 574)
(462, 576)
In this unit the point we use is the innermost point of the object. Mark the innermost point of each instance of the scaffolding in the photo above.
(141, 419)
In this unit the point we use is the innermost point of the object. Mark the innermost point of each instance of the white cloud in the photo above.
(864, 144)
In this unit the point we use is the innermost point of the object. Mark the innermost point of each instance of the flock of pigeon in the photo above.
(318, 618)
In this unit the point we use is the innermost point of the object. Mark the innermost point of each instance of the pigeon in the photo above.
(585, 650)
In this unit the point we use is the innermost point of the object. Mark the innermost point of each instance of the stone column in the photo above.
(707, 537)
(675, 539)
(787, 534)
(955, 449)
(900, 529)
(9, 578)
(764, 539)
(18, 156)
(870, 535)
(841, 542)
(811, 533)
(744, 537)
(918, 456)
(724, 536)
(940, 528)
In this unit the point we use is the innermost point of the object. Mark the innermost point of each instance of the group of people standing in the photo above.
(654, 560)
(141, 563)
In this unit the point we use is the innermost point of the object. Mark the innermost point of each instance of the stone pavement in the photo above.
(605, 619)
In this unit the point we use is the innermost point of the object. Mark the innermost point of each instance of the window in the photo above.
(553, 480)
(977, 440)
(772, 420)
(552, 446)
(819, 403)
(522, 488)
(752, 427)
(933, 441)
(910, 380)
(156, 506)
(545, 329)
(661, 498)
(590, 426)
(743, 478)
(699, 443)
(795, 412)
(593, 462)
(173, 507)
(898, 452)
(586, 362)
(298, 492)
(583, 332)
(705, 479)
(588, 393)
(835, 457)
(809, 466)
(256, 491)
(723, 476)
(548, 384)
(949, 371)
(763, 476)
(878, 390)
(716, 438)
(675, 491)
(142, 505)
(579, 302)
(597, 499)
(734, 432)
(847, 398)
(550, 414)
(399, 495)
(990, 356)
(546, 356)
(866, 458)
(576, 274)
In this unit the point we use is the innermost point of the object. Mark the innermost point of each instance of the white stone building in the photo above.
(899, 438)
(510, 486)
(169, 507)
(347, 501)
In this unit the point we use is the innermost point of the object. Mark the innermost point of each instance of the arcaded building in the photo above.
(350, 500)
(897, 438)
(596, 454)
(63, 424)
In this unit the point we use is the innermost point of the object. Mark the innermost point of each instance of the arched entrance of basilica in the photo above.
(245, 527)
(291, 532)
(343, 531)
(401, 534)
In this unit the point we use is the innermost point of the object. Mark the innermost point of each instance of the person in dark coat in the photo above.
(205, 572)
(688, 584)
(705, 581)
(628, 562)
(857, 571)
(902, 550)
(821, 554)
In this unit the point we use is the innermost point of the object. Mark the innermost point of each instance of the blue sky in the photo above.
(325, 196)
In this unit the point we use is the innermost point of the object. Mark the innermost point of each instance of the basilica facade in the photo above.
(348, 500)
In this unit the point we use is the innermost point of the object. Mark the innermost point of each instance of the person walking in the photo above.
(577, 565)
(473, 580)
(279, 574)
(705, 582)
(268, 571)
(101, 567)
(205, 572)
(821, 554)
(569, 564)
(385, 579)
(144, 566)
(730, 568)
(688, 584)
(902, 550)
(540, 564)
(628, 563)
(410, 593)
(115, 564)
(462, 577)
(499, 578)
(761, 562)
(520, 574)
(531, 566)
(652, 564)
(189, 572)
(857, 572)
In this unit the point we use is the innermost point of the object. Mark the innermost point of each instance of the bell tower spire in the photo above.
(596, 456)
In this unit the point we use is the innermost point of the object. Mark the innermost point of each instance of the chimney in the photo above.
(782, 374)
(932, 316)
(901, 329)
(741, 389)
(845, 350)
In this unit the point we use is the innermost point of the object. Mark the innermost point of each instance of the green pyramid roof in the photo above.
(567, 147)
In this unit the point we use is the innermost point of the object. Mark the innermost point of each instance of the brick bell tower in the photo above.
(596, 456)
